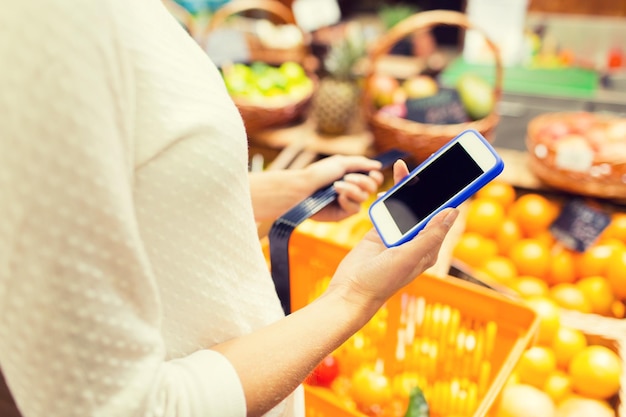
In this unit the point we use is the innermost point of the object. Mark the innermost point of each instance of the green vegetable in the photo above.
(418, 407)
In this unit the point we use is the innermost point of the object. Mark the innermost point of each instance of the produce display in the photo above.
(594, 138)
(580, 152)
(506, 241)
(421, 98)
(267, 85)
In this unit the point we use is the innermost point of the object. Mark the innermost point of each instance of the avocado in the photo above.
(476, 94)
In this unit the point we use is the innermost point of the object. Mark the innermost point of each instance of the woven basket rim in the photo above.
(387, 128)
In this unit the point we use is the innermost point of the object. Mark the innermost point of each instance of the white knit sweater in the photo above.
(127, 239)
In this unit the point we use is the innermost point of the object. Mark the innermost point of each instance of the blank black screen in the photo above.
(431, 188)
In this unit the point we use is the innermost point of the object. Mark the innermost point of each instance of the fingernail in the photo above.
(450, 217)
(339, 185)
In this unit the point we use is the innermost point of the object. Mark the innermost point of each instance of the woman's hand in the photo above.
(371, 272)
(355, 178)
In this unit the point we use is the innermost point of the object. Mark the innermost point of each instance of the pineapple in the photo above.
(337, 96)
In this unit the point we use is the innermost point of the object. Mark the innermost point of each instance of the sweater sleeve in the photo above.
(79, 307)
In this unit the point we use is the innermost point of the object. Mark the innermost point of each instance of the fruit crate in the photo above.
(473, 336)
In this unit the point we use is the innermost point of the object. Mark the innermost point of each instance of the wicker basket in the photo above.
(603, 178)
(422, 139)
(273, 113)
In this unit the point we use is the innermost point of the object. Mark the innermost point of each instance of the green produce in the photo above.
(260, 81)
(476, 95)
(418, 407)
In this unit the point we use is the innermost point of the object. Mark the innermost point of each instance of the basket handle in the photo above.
(274, 7)
(427, 20)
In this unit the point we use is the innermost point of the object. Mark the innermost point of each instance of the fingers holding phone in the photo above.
(445, 179)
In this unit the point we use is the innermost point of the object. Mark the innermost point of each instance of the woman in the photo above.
(131, 278)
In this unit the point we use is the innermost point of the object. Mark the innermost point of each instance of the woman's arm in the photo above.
(273, 361)
(275, 192)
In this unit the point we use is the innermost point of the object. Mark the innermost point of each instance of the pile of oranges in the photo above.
(564, 367)
(507, 240)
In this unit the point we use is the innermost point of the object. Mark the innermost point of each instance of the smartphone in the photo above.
(445, 179)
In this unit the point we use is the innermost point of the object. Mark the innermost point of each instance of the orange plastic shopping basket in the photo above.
(463, 339)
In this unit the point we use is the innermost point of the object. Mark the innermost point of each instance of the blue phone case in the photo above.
(471, 189)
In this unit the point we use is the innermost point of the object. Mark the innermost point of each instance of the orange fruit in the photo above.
(616, 273)
(616, 228)
(577, 406)
(506, 235)
(531, 257)
(529, 286)
(500, 191)
(536, 365)
(500, 268)
(566, 344)
(595, 372)
(569, 296)
(618, 309)
(474, 249)
(370, 388)
(549, 315)
(523, 400)
(484, 216)
(403, 383)
(558, 386)
(595, 259)
(598, 292)
(546, 237)
(534, 213)
(562, 266)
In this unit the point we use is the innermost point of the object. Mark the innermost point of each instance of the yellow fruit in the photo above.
(558, 386)
(571, 297)
(536, 365)
(402, 384)
(529, 286)
(474, 249)
(507, 234)
(484, 216)
(595, 372)
(617, 228)
(594, 260)
(500, 191)
(566, 344)
(523, 400)
(370, 388)
(499, 268)
(584, 407)
(549, 318)
(598, 292)
(616, 273)
(531, 257)
(534, 213)
(562, 267)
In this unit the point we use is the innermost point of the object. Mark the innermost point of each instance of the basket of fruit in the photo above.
(579, 152)
(275, 85)
(417, 114)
